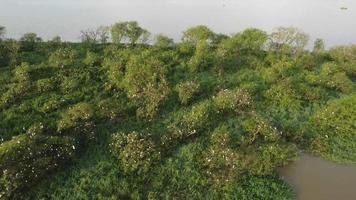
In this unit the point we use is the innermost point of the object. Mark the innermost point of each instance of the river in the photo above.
(316, 179)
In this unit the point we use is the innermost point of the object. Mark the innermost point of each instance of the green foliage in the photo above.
(187, 91)
(220, 160)
(46, 84)
(29, 41)
(259, 129)
(238, 112)
(188, 124)
(236, 100)
(8, 52)
(76, 115)
(128, 32)
(112, 109)
(145, 82)
(319, 46)
(163, 41)
(251, 39)
(265, 158)
(2, 32)
(334, 129)
(63, 57)
(343, 53)
(201, 58)
(26, 159)
(197, 33)
(92, 59)
(136, 152)
(288, 40)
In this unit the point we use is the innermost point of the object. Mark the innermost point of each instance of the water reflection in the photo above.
(317, 179)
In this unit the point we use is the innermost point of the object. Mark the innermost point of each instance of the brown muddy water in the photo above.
(316, 179)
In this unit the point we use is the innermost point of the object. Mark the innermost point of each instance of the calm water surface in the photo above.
(316, 179)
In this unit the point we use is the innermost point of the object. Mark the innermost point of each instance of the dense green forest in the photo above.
(125, 115)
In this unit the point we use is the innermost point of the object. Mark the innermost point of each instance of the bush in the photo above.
(201, 58)
(283, 95)
(75, 116)
(236, 100)
(13, 94)
(333, 77)
(62, 57)
(26, 159)
(92, 59)
(49, 102)
(258, 129)
(220, 160)
(21, 73)
(145, 82)
(187, 91)
(111, 109)
(188, 124)
(45, 85)
(136, 152)
(334, 130)
(265, 158)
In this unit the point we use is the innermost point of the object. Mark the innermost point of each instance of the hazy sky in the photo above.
(319, 18)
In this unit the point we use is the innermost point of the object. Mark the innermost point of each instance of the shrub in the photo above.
(283, 95)
(201, 57)
(220, 160)
(334, 130)
(265, 158)
(236, 100)
(13, 94)
(75, 116)
(333, 77)
(69, 84)
(136, 152)
(189, 123)
(45, 85)
(62, 57)
(91, 59)
(186, 91)
(21, 73)
(258, 129)
(49, 103)
(25, 160)
(145, 82)
(111, 109)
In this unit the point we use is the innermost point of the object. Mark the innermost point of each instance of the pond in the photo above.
(316, 179)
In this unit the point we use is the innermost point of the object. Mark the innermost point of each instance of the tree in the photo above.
(129, 32)
(88, 36)
(201, 58)
(2, 32)
(29, 41)
(103, 34)
(118, 32)
(55, 42)
(163, 41)
(145, 82)
(319, 46)
(31, 38)
(288, 39)
(93, 36)
(8, 52)
(252, 39)
(197, 33)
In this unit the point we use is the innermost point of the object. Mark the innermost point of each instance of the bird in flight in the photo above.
(343, 8)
